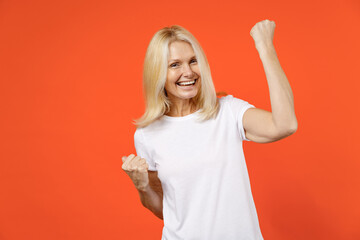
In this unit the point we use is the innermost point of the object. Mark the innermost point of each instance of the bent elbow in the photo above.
(293, 128)
(159, 215)
(285, 132)
(289, 131)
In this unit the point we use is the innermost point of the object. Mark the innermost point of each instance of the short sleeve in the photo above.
(141, 150)
(238, 108)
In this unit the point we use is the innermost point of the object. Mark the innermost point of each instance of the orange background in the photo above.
(71, 83)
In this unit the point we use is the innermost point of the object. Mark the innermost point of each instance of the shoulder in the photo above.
(138, 135)
(226, 98)
(235, 105)
(140, 132)
(231, 98)
(233, 101)
(140, 140)
(146, 134)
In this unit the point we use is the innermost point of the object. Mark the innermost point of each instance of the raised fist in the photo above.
(263, 33)
(137, 169)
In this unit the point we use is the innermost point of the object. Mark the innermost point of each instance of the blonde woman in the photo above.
(190, 168)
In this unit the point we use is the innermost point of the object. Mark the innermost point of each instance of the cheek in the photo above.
(169, 81)
(172, 77)
(197, 70)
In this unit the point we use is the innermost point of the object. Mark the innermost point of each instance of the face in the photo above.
(183, 74)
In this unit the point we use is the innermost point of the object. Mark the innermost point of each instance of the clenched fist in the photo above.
(137, 169)
(263, 33)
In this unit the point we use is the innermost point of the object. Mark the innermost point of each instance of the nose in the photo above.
(187, 71)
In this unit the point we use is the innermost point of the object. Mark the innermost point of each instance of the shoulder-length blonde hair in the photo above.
(155, 72)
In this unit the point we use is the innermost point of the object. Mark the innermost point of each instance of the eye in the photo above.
(174, 65)
(193, 60)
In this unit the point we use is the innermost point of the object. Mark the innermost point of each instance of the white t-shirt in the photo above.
(202, 169)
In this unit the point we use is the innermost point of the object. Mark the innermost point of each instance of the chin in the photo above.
(188, 95)
(183, 96)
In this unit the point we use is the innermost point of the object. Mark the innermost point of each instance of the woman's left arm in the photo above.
(260, 125)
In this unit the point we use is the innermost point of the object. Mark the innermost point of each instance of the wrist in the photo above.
(266, 52)
(144, 189)
(265, 47)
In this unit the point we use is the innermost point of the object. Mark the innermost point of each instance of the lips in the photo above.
(187, 81)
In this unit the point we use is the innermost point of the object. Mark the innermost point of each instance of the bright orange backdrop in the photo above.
(71, 83)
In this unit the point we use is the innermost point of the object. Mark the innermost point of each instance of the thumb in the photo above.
(123, 158)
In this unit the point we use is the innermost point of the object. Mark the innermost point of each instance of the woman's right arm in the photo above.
(151, 196)
(146, 182)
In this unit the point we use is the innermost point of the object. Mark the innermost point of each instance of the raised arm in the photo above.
(260, 125)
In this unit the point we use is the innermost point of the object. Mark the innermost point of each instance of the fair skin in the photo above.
(260, 125)
(182, 67)
(146, 182)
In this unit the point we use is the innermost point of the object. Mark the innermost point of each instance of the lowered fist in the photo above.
(137, 169)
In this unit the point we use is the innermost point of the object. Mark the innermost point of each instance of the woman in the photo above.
(190, 169)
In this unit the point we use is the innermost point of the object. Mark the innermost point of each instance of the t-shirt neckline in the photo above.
(191, 115)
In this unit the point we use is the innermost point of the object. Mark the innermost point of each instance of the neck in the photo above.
(181, 108)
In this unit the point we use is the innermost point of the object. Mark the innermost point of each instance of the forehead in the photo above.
(180, 50)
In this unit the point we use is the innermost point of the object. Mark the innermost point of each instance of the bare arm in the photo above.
(152, 196)
(261, 125)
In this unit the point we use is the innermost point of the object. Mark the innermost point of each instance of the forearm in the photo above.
(281, 96)
(152, 201)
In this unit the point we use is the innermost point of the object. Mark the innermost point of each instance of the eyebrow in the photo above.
(174, 60)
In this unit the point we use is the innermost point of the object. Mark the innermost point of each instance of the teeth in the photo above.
(187, 83)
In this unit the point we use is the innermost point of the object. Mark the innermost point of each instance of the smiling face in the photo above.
(183, 74)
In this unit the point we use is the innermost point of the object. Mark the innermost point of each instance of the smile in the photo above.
(188, 83)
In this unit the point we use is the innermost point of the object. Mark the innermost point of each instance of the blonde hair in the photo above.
(155, 72)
